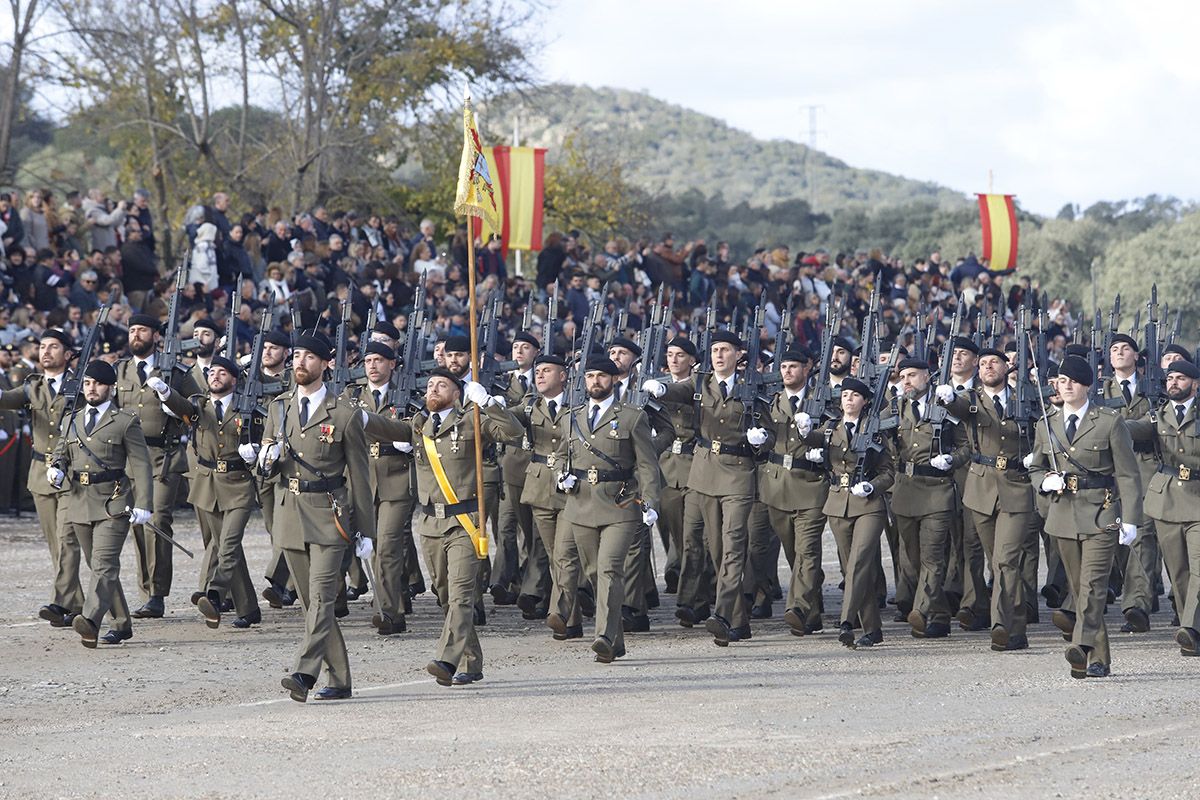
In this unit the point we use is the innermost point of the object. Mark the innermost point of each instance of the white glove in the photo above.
(3, 435)
(649, 516)
(1053, 482)
(138, 516)
(815, 455)
(942, 462)
(159, 386)
(654, 388)
(475, 393)
(248, 452)
(365, 418)
(244, 361)
(756, 436)
(567, 481)
(500, 401)
(803, 423)
(861, 489)
(56, 477)
(363, 546)
(1027, 461)
(945, 393)
(403, 447)
(268, 455)
(1128, 533)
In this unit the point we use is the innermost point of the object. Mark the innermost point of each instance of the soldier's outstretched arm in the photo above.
(354, 442)
(139, 465)
(500, 425)
(648, 472)
(382, 426)
(1127, 473)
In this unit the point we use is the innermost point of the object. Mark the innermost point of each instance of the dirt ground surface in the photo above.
(184, 711)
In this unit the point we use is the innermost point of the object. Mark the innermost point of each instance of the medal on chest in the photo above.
(326, 436)
(612, 429)
(454, 439)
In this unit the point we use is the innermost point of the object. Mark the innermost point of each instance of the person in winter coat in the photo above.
(104, 223)
(204, 258)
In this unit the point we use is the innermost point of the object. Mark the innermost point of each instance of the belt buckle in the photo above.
(439, 510)
(525, 444)
(716, 448)
(374, 449)
(1001, 462)
(294, 486)
(593, 476)
(788, 460)
(222, 466)
(677, 447)
(844, 481)
(551, 460)
(1072, 483)
(85, 479)
(1185, 473)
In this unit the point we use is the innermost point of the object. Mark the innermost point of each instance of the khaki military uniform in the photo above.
(321, 504)
(521, 560)
(10, 430)
(676, 464)
(276, 573)
(1085, 520)
(966, 584)
(107, 471)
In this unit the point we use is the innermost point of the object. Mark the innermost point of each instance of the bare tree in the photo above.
(23, 20)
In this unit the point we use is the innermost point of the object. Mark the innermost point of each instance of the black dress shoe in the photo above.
(527, 603)
(587, 603)
(86, 630)
(333, 693)
(633, 622)
(1188, 641)
(154, 608)
(441, 671)
(298, 685)
(465, 678)
(916, 619)
(814, 627)
(1065, 622)
(340, 608)
(1077, 657)
(954, 600)
(761, 611)
(671, 578)
(603, 649)
(386, 626)
(794, 619)
(686, 616)
(970, 621)
(407, 603)
(900, 617)
(1017, 641)
(846, 634)
(1032, 617)
(1136, 620)
(502, 596)
(937, 630)
(479, 617)
(569, 632)
(355, 592)
(866, 640)
(719, 629)
(999, 638)
(652, 600)
(116, 637)
(212, 617)
(1098, 670)
(740, 634)
(226, 606)
(54, 614)
(243, 622)
(274, 596)
(556, 623)
(196, 597)
(1053, 596)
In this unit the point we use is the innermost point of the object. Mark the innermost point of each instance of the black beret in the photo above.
(1076, 369)
(101, 371)
(844, 343)
(1178, 349)
(796, 352)
(685, 344)
(380, 349)
(991, 351)
(206, 323)
(528, 338)
(1126, 338)
(1051, 370)
(458, 344)
(442, 372)
(58, 336)
(277, 338)
(314, 343)
(628, 344)
(908, 363)
(855, 385)
(1009, 347)
(1080, 350)
(387, 329)
(225, 364)
(727, 337)
(1185, 368)
(601, 364)
(886, 346)
(557, 361)
(963, 343)
(145, 320)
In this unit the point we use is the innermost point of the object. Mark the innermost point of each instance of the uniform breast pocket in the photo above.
(1158, 483)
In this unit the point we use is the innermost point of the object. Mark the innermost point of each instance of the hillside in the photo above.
(670, 149)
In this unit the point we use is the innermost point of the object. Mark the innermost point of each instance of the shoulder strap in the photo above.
(583, 440)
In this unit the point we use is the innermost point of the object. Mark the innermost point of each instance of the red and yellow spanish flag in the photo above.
(520, 182)
(999, 218)
(475, 196)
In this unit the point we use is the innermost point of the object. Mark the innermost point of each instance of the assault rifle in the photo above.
(168, 359)
(72, 385)
(748, 390)
(341, 370)
(1153, 385)
(936, 412)
(868, 436)
(820, 394)
(490, 369)
(551, 319)
(577, 386)
(235, 308)
(404, 389)
(247, 398)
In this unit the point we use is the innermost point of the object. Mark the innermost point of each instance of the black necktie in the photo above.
(524, 384)
(1071, 427)
(916, 411)
(93, 412)
(849, 431)
(303, 411)
(1125, 391)
(437, 423)
(141, 371)
(553, 406)
(378, 395)
(617, 392)
(53, 388)
(999, 406)
(1180, 410)
(959, 388)
(206, 374)
(594, 418)
(724, 390)
(795, 399)
(219, 410)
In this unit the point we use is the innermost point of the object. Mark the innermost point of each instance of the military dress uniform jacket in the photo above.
(161, 430)
(334, 443)
(1104, 448)
(787, 480)
(724, 462)
(107, 469)
(919, 487)
(1146, 451)
(623, 435)
(1173, 492)
(548, 450)
(676, 460)
(455, 445)
(45, 410)
(218, 478)
(514, 458)
(391, 480)
(841, 461)
(996, 479)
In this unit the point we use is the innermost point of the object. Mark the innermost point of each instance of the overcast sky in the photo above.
(1064, 101)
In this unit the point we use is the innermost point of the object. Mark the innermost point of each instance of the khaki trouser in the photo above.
(537, 577)
(1137, 590)
(726, 530)
(923, 549)
(454, 571)
(64, 551)
(1180, 544)
(1004, 537)
(554, 532)
(154, 556)
(101, 543)
(697, 577)
(1029, 565)
(277, 569)
(1088, 562)
(639, 570)
(318, 573)
(230, 575)
(762, 561)
(393, 522)
(670, 526)
(514, 536)
(800, 533)
(858, 551)
(602, 553)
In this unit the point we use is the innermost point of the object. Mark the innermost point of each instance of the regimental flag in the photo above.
(998, 216)
(475, 196)
(520, 184)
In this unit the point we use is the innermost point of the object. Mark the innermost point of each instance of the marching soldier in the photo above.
(220, 486)
(162, 433)
(966, 586)
(315, 442)
(205, 332)
(676, 464)
(722, 479)
(275, 380)
(10, 432)
(443, 444)
(794, 489)
(1084, 455)
(612, 483)
(42, 397)
(101, 452)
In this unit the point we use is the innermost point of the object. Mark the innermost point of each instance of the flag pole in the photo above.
(481, 544)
